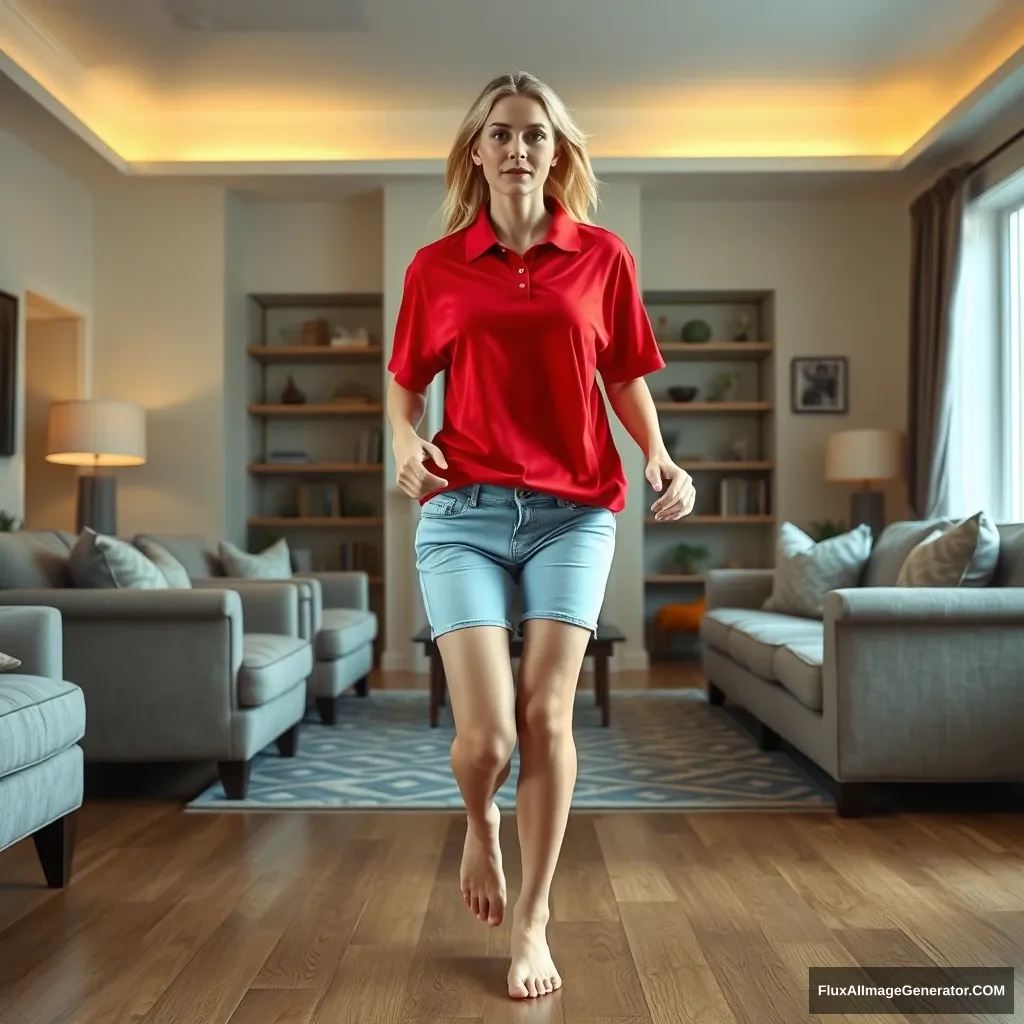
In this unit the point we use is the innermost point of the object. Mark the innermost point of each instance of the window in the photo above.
(1013, 333)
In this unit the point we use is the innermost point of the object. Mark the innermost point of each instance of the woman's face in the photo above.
(516, 147)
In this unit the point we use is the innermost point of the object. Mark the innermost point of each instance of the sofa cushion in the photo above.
(805, 570)
(1010, 570)
(190, 550)
(751, 636)
(108, 563)
(344, 630)
(272, 563)
(174, 572)
(797, 666)
(961, 555)
(38, 718)
(33, 559)
(271, 666)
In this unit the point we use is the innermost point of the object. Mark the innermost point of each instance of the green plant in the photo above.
(825, 528)
(686, 556)
(8, 522)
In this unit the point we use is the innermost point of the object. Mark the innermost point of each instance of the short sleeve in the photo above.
(414, 360)
(632, 350)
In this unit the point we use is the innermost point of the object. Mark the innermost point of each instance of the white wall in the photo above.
(46, 246)
(160, 323)
(840, 272)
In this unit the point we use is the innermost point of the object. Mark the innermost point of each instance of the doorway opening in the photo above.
(55, 364)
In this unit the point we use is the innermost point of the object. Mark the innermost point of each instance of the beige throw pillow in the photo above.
(107, 563)
(805, 570)
(962, 555)
(273, 563)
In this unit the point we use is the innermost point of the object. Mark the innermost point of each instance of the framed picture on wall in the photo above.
(8, 371)
(819, 384)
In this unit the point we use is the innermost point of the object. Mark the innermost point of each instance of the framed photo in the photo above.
(8, 372)
(819, 384)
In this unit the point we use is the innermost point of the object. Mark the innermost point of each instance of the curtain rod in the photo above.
(1001, 148)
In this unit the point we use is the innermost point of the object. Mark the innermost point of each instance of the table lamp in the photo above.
(95, 435)
(866, 457)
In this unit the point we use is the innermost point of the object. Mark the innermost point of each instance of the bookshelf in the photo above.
(316, 429)
(716, 403)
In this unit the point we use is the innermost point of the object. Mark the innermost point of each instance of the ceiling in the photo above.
(257, 87)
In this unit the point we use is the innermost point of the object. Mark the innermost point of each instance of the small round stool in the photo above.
(676, 618)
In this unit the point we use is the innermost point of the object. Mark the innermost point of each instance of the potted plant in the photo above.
(8, 523)
(687, 557)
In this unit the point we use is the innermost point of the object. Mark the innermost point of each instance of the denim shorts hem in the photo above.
(561, 617)
(450, 628)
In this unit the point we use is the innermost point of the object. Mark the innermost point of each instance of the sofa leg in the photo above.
(854, 799)
(55, 847)
(288, 742)
(715, 695)
(234, 776)
(363, 686)
(767, 739)
(327, 708)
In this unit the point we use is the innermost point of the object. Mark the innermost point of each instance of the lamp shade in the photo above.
(861, 456)
(96, 433)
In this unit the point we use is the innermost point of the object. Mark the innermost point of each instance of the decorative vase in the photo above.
(292, 393)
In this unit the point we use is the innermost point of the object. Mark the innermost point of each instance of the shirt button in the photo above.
(522, 271)
(522, 284)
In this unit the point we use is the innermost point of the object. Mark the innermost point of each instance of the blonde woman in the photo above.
(521, 304)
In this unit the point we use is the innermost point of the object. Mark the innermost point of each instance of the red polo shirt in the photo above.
(522, 339)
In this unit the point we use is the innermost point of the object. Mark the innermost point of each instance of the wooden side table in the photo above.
(600, 648)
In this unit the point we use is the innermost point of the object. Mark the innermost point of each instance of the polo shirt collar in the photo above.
(563, 233)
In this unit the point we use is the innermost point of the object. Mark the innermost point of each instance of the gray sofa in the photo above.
(894, 684)
(205, 673)
(335, 617)
(42, 721)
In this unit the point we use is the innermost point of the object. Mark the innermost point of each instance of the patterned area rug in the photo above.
(663, 749)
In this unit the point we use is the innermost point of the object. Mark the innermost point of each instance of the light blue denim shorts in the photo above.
(497, 556)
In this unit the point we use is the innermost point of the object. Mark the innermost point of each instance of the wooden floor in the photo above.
(353, 918)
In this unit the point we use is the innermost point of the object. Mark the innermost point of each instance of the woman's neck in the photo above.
(520, 221)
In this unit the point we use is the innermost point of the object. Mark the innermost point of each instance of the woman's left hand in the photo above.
(678, 499)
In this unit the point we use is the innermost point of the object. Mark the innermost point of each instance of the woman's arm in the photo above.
(405, 409)
(632, 402)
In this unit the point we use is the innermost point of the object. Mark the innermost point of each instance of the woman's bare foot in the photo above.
(483, 881)
(532, 971)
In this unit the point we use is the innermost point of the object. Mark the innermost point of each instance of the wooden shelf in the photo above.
(317, 409)
(667, 579)
(713, 407)
(729, 465)
(313, 353)
(313, 468)
(318, 522)
(692, 520)
(712, 351)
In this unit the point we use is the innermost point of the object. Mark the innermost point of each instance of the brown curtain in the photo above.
(936, 219)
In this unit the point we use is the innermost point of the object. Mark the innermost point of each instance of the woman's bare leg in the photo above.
(549, 671)
(480, 688)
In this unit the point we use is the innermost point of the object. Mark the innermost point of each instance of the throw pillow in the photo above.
(8, 664)
(99, 562)
(962, 555)
(805, 570)
(174, 572)
(272, 563)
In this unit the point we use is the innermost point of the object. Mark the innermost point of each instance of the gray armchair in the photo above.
(335, 616)
(42, 721)
(204, 673)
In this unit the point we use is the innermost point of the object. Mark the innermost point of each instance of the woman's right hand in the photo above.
(411, 475)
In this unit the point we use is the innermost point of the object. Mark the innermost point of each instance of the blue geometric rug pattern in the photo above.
(662, 749)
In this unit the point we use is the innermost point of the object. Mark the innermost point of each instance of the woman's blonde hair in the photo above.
(571, 182)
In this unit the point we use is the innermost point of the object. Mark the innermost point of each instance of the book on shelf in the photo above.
(318, 500)
(743, 496)
(358, 556)
(370, 447)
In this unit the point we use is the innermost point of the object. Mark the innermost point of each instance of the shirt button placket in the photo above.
(521, 273)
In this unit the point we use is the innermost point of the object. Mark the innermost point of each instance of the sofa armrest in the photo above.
(308, 597)
(926, 683)
(159, 669)
(33, 636)
(268, 606)
(737, 588)
(342, 589)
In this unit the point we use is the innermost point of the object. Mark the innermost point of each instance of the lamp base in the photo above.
(868, 507)
(97, 504)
